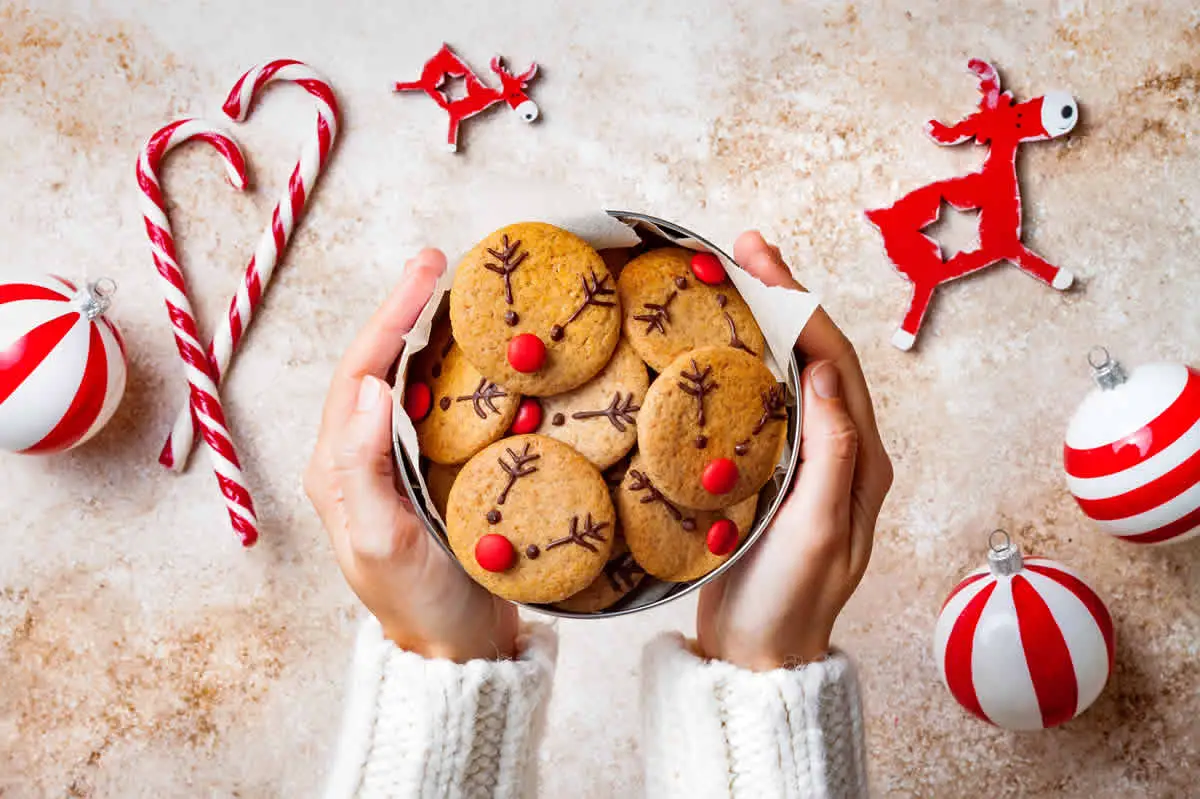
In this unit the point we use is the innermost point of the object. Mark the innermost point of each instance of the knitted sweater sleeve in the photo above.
(433, 728)
(714, 730)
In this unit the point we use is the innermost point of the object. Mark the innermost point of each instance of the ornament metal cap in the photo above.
(1004, 557)
(95, 298)
(1107, 373)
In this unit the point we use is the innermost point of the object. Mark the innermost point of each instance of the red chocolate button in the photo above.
(418, 400)
(707, 268)
(720, 476)
(529, 417)
(526, 353)
(495, 553)
(722, 537)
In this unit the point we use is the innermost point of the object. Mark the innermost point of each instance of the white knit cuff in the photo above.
(417, 727)
(712, 729)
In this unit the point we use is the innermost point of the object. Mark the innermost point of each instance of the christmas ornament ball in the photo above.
(1132, 451)
(62, 363)
(1024, 644)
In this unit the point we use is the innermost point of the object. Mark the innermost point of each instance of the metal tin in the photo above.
(652, 593)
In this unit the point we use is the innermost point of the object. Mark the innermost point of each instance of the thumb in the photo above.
(378, 522)
(828, 450)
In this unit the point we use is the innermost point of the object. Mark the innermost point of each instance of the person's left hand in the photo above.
(423, 600)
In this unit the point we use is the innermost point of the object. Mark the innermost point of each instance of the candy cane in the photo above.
(201, 377)
(275, 238)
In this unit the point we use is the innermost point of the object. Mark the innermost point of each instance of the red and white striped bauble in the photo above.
(1024, 644)
(1132, 454)
(62, 364)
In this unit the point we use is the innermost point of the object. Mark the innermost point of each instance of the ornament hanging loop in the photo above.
(96, 297)
(1107, 373)
(1004, 557)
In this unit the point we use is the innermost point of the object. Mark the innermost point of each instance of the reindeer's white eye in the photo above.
(527, 111)
(1059, 113)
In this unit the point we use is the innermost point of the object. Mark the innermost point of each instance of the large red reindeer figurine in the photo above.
(446, 64)
(1001, 124)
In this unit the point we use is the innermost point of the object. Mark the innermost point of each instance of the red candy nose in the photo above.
(529, 416)
(707, 268)
(722, 537)
(526, 353)
(720, 476)
(495, 553)
(418, 399)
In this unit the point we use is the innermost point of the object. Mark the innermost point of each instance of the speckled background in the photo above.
(143, 653)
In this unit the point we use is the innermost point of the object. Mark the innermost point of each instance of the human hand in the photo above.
(776, 607)
(424, 602)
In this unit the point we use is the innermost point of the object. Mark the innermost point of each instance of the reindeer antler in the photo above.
(989, 82)
(497, 65)
(528, 74)
(989, 87)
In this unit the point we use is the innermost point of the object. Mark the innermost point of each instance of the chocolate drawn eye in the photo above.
(742, 447)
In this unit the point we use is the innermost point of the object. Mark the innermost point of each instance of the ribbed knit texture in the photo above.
(714, 730)
(426, 729)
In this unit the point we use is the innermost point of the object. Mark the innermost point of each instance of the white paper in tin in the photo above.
(781, 313)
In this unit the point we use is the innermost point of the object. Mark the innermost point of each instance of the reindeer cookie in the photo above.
(535, 309)
(674, 300)
(712, 428)
(672, 542)
(599, 419)
(439, 478)
(621, 575)
(460, 411)
(531, 520)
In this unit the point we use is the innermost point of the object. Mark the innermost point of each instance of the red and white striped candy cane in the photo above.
(201, 377)
(275, 238)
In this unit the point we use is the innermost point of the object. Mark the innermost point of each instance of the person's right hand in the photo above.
(776, 607)
(424, 602)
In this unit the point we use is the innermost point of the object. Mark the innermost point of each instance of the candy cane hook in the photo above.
(201, 377)
(275, 238)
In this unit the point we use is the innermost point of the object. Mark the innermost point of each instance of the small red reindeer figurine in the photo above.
(1001, 124)
(446, 64)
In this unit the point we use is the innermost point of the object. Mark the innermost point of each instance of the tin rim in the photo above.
(668, 592)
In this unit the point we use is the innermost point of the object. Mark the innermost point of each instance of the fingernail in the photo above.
(826, 381)
(764, 260)
(369, 392)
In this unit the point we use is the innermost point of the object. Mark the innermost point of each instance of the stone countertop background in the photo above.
(143, 653)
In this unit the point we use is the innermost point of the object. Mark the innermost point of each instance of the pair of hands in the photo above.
(775, 608)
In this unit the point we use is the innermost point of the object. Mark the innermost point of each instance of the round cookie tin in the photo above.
(652, 593)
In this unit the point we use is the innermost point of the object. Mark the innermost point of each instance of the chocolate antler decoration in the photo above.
(640, 482)
(698, 385)
(623, 569)
(735, 340)
(772, 402)
(485, 394)
(517, 469)
(591, 291)
(659, 316)
(619, 412)
(590, 529)
(509, 260)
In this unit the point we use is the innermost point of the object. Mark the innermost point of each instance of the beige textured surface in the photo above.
(142, 653)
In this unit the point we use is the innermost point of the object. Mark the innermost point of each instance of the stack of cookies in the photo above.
(585, 422)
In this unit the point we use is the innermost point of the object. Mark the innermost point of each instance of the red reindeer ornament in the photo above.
(479, 97)
(1002, 125)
